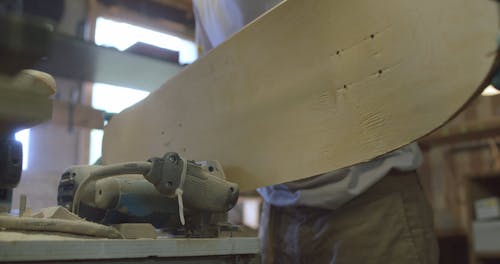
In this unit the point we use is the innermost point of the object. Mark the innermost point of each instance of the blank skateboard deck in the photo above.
(314, 86)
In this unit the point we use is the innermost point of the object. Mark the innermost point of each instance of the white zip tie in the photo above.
(179, 191)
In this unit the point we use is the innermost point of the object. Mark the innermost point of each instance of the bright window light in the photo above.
(122, 36)
(23, 136)
(251, 212)
(111, 99)
(95, 150)
(490, 91)
(114, 99)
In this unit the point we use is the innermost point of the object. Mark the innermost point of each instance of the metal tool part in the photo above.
(11, 160)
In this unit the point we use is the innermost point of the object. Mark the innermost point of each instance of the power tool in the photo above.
(181, 197)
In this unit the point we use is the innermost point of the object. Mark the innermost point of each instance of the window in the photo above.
(122, 36)
(114, 99)
(23, 136)
(111, 99)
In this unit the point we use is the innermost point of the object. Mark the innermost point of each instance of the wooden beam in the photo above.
(354, 88)
(78, 60)
(186, 5)
(69, 114)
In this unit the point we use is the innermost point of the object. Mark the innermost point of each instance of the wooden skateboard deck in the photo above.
(314, 86)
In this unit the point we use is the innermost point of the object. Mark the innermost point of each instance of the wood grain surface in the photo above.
(314, 86)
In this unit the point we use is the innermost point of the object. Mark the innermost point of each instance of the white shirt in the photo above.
(333, 189)
(217, 20)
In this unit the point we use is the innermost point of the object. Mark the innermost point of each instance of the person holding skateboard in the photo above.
(373, 212)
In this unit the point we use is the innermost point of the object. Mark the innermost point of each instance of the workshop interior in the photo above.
(71, 68)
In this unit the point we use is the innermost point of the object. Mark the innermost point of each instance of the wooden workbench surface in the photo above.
(23, 247)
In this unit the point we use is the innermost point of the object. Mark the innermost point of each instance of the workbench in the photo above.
(23, 248)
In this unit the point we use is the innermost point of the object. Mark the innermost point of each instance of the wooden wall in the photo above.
(447, 166)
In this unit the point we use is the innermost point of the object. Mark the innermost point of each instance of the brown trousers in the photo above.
(391, 222)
